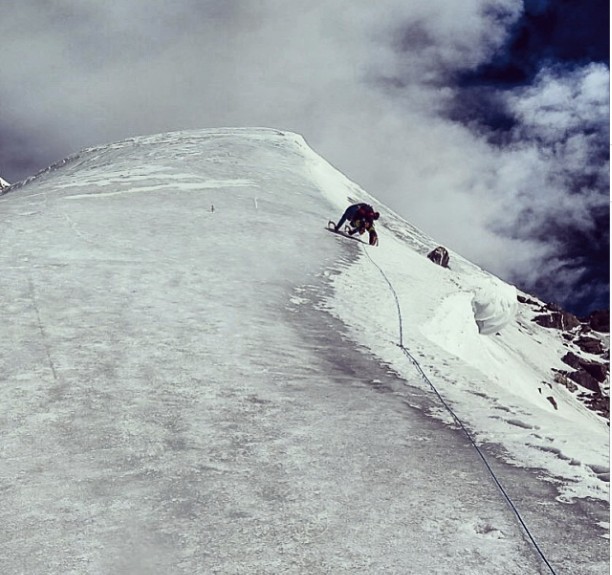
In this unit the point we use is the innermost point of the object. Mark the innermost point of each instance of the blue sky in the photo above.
(483, 122)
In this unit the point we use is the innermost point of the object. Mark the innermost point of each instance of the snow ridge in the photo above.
(200, 374)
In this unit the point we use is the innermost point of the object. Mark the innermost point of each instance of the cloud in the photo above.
(370, 86)
(91, 70)
(562, 200)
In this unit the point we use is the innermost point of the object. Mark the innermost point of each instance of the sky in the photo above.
(483, 122)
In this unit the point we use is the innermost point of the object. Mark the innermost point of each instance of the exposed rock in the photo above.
(577, 335)
(601, 405)
(571, 359)
(561, 377)
(588, 374)
(552, 401)
(598, 371)
(526, 300)
(590, 345)
(558, 320)
(600, 320)
(585, 380)
(439, 256)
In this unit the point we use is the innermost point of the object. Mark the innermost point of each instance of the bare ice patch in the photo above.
(184, 187)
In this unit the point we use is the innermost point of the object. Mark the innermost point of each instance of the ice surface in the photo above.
(197, 378)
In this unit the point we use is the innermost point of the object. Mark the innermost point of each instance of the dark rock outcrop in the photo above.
(600, 320)
(590, 345)
(588, 380)
(562, 320)
(600, 404)
(583, 379)
(523, 299)
(439, 256)
(561, 377)
(596, 370)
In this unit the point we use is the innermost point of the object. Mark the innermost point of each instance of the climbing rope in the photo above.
(412, 359)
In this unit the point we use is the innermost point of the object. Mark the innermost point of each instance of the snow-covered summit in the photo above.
(203, 379)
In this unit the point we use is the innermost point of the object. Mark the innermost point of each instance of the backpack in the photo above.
(366, 211)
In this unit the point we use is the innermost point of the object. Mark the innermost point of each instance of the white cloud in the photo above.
(366, 83)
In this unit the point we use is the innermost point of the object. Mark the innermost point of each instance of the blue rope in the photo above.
(456, 418)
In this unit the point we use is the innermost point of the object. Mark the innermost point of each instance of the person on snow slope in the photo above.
(361, 217)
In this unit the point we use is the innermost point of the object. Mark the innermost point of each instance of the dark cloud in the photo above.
(410, 99)
(567, 32)
(563, 116)
(548, 88)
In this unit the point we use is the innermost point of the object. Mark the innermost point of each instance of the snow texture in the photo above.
(197, 378)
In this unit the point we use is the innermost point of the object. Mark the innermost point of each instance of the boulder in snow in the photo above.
(439, 256)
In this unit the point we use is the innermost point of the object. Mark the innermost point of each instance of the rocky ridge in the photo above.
(586, 352)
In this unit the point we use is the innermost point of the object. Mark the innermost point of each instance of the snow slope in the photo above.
(198, 378)
(446, 316)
